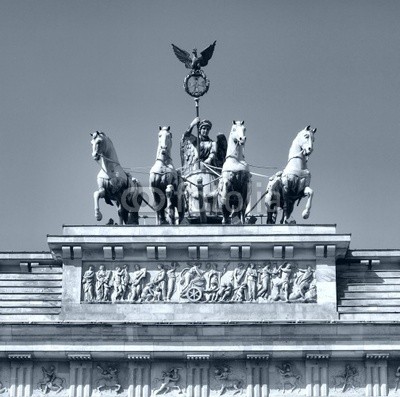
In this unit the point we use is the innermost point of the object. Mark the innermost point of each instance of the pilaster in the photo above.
(21, 375)
(376, 375)
(257, 375)
(317, 384)
(139, 376)
(80, 375)
(198, 373)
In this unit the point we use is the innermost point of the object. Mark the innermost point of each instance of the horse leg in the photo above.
(123, 216)
(287, 210)
(223, 192)
(98, 194)
(308, 192)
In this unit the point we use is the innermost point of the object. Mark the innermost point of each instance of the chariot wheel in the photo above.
(194, 294)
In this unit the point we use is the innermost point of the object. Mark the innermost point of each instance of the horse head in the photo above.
(238, 133)
(99, 144)
(305, 140)
(164, 143)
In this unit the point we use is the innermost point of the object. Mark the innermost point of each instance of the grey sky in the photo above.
(71, 67)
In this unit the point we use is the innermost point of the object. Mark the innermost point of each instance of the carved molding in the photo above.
(377, 356)
(259, 357)
(139, 357)
(20, 356)
(79, 356)
(197, 357)
(317, 356)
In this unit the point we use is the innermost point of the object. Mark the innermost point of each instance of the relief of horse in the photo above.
(294, 182)
(165, 182)
(115, 185)
(235, 185)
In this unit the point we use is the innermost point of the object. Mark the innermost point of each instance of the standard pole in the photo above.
(196, 101)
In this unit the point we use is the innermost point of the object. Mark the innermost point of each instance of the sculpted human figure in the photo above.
(251, 281)
(161, 282)
(239, 294)
(109, 379)
(102, 284)
(188, 276)
(208, 148)
(137, 279)
(169, 380)
(50, 381)
(171, 275)
(285, 272)
(88, 281)
(265, 278)
(302, 283)
(238, 275)
(118, 283)
(397, 375)
(213, 281)
(225, 291)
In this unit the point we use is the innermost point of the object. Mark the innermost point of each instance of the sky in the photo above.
(69, 68)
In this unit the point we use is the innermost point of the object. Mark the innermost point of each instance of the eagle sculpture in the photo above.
(194, 61)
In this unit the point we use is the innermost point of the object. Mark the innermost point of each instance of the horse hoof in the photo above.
(305, 214)
(98, 216)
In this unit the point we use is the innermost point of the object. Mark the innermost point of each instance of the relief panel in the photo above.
(205, 282)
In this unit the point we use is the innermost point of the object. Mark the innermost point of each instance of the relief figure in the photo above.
(108, 380)
(89, 281)
(288, 377)
(102, 284)
(169, 381)
(222, 374)
(136, 282)
(171, 275)
(347, 379)
(50, 381)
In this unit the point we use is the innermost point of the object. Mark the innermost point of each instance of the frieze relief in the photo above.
(205, 282)
(215, 378)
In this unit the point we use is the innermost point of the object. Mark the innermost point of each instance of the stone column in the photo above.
(139, 376)
(198, 373)
(21, 382)
(80, 375)
(376, 375)
(257, 369)
(317, 382)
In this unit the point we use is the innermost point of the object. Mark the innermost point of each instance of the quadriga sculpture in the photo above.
(164, 182)
(114, 183)
(286, 187)
(235, 185)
